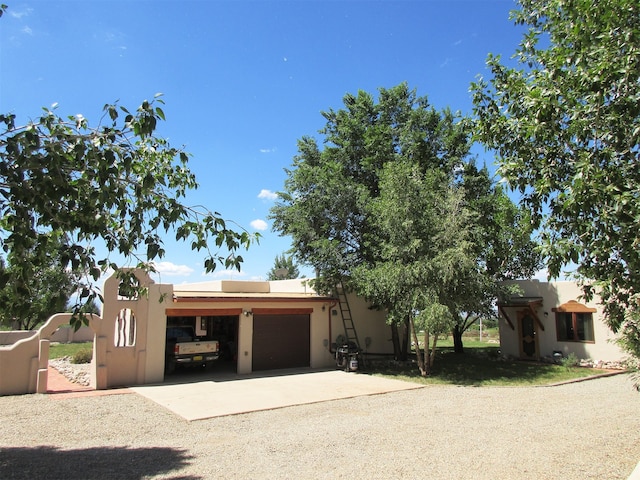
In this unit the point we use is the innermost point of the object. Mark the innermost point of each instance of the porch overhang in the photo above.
(521, 303)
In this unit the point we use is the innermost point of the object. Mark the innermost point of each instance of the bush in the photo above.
(570, 361)
(82, 356)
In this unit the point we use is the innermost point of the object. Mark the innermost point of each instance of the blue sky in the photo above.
(242, 80)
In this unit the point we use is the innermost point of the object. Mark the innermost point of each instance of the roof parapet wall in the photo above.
(236, 286)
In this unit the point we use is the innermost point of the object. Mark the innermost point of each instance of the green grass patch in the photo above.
(59, 350)
(482, 366)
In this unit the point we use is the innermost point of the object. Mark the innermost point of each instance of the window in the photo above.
(574, 323)
(125, 329)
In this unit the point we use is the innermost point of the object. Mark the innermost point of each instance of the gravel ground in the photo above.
(586, 430)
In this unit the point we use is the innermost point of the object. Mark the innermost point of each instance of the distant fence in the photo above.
(62, 335)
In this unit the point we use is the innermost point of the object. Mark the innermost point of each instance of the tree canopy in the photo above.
(26, 305)
(326, 193)
(564, 119)
(423, 257)
(115, 184)
(392, 206)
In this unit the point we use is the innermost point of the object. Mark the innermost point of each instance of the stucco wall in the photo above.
(18, 367)
(553, 295)
(23, 365)
(139, 358)
(370, 324)
(64, 334)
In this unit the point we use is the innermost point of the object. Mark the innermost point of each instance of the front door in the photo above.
(527, 329)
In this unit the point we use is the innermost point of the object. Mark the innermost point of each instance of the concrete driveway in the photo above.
(193, 397)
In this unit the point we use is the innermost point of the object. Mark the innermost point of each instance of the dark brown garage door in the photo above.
(280, 341)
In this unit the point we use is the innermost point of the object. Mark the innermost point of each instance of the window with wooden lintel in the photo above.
(574, 322)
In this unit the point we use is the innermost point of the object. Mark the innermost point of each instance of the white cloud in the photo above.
(168, 268)
(224, 274)
(27, 30)
(21, 13)
(267, 150)
(267, 194)
(259, 224)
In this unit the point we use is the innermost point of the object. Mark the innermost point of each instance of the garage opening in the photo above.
(223, 328)
(281, 341)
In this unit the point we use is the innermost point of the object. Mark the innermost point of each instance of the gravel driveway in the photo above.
(580, 431)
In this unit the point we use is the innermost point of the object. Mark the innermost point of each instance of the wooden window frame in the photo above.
(574, 309)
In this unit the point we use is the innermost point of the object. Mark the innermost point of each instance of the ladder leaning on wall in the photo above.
(347, 320)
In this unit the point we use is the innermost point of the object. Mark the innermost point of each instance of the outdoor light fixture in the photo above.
(247, 313)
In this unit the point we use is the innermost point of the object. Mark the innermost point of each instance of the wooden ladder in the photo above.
(347, 319)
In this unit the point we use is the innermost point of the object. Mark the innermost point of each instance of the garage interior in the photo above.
(223, 328)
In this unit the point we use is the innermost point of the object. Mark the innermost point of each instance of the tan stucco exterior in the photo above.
(142, 360)
(129, 337)
(284, 296)
(542, 299)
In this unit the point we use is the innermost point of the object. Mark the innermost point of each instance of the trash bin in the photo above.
(347, 357)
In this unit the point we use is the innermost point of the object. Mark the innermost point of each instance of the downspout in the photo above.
(330, 334)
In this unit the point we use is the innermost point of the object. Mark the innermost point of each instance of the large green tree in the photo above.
(424, 261)
(115, 185)
(327, 193)
(331, 195)
(564, 119)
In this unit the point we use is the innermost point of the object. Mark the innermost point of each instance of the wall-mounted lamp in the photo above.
(324, 308)
(546, 314)
(247, 313)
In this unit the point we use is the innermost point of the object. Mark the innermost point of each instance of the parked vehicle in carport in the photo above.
(183, 347)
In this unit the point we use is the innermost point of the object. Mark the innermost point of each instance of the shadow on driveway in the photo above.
(91, 463)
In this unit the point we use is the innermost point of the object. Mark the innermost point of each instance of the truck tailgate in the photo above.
(209, 346)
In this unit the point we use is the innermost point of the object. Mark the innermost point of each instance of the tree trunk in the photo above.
(427, 355)
(395, 340)
(457, 339)
(400, 342)
(432, 355)
(422, 365)
(405, 340)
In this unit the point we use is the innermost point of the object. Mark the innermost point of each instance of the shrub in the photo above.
(82, 356)
(570, 361)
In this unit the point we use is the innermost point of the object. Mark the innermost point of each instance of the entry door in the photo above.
(528, 341)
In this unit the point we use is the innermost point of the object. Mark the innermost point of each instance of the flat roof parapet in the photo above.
(242, 286)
